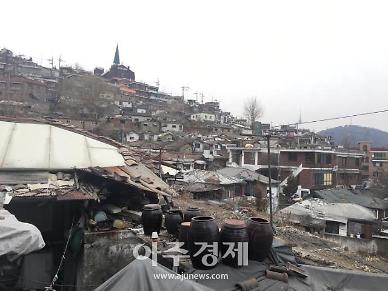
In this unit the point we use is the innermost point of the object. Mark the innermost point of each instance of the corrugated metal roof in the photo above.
(348, 196)
(320, 209)
(44, 146)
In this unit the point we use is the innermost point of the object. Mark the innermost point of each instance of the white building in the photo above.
(203, 117)
(171, 126)
(132, 136)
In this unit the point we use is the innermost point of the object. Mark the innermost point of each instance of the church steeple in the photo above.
(116, 59)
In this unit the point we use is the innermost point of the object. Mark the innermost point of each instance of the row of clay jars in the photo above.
(258, 233)
(152, 217)
(204, 229)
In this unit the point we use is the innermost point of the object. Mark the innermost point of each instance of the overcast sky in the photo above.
(323, 58)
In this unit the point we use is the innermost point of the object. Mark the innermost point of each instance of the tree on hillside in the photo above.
(253, 110)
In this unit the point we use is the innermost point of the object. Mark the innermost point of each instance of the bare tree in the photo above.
(291, 187)
(380, 184)
(253, 110)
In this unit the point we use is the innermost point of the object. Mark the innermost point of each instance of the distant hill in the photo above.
(350, 135)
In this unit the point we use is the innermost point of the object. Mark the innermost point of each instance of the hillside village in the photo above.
(76, 143)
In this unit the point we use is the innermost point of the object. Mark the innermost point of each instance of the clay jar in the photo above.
(234, 231)
(203, 229)
(191, 212)
(184, 234)
(260, 238)
(152, 218)
(173, 220)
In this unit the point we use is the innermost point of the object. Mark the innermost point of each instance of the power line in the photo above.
(335, 118)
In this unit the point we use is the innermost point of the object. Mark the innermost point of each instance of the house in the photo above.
(171, 126)
(212, 185)
(344, 219)
(132, 136)
(375, 161)
(364, 197)
(254, 182)
(69, 181)
(183, 162)
(253, 157)
(321, 168)
(203, 116)
(138, 117)
(223, 129)
(198, 146)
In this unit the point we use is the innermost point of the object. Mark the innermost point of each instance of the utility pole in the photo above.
(196, 96)
(184, 88)
(160, 162)
(59, 62)
(51, 62)
(269, 179)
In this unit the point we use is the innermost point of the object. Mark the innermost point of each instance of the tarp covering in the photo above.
(18, 238)
(340, 279)
(44, 146)
(139, 276)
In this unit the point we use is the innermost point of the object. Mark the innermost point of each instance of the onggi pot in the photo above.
(152, 218)
(191, 212)
(203, 230)
(260, 238)
(173, 220)
(234, 233)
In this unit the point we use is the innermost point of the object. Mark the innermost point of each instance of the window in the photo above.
(327, 179)
(323, 158)
(379, 156)
(122, 121)
(173, 126)
(318, 179)
(310, 157)
(323, 179)
(343, 161)
(365, 148)
(357, 162)
(292, 156)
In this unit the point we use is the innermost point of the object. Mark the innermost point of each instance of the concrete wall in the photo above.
(372, 246)
(105, 253)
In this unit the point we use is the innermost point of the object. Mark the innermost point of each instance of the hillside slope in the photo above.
(350, 135)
